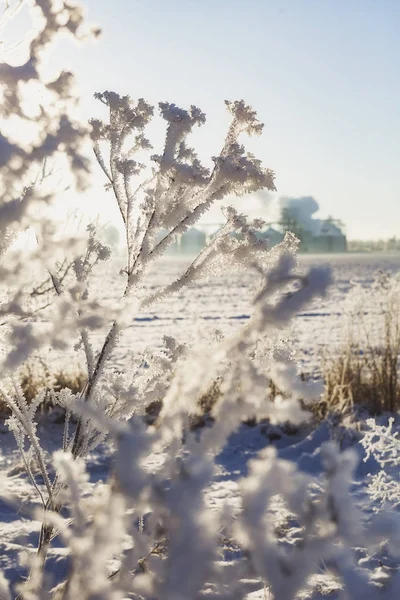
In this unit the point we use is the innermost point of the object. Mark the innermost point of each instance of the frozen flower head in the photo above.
(245, 118)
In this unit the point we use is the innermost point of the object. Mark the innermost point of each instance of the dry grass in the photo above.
(36, 375)
(365, 372)
(369, 379)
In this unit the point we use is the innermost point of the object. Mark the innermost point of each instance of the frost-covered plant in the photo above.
(37, 125)
(148, 531)
(38, 106)
(383, 444)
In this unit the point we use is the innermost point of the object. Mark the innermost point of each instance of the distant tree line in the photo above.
(379, 245)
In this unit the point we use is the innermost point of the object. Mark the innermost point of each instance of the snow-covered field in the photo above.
(222, 303)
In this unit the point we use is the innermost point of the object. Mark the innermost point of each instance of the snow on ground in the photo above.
(222, 303)
(18, 532)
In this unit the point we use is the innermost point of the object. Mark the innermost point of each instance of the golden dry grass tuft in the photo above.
(364, 371)
(36, 375)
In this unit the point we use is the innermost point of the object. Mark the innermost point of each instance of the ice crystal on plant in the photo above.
(148, 532)
(382, 443)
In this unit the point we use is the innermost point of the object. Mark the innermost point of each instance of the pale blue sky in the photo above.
(324, 76)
